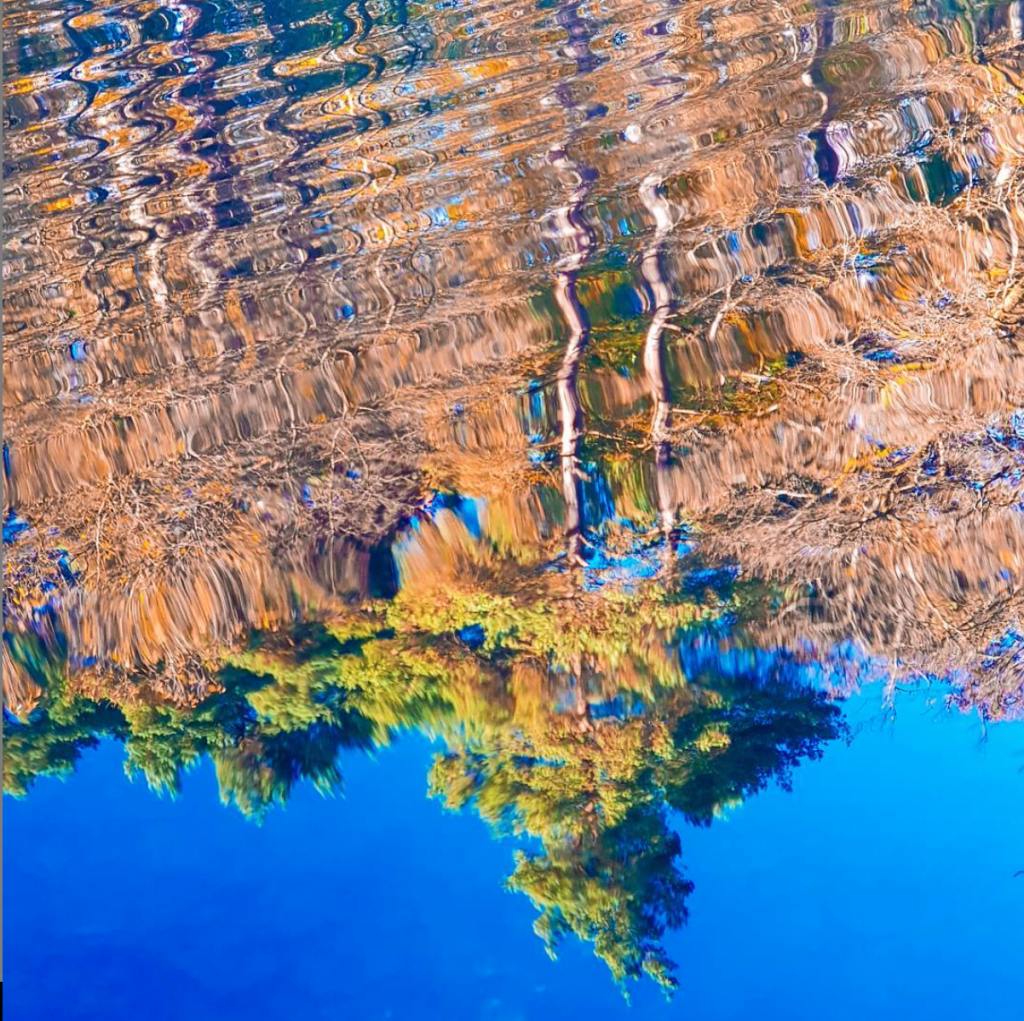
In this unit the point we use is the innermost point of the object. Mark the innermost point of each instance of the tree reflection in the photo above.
(567, 720)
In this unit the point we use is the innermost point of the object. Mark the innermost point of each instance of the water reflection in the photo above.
(602, 390)
(575, 724)
(275, 274)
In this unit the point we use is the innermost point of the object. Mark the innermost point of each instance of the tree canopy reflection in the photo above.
(575, 720)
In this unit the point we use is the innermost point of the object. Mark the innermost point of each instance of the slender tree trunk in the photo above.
(570, 225)
(571, 412)
(654, 355)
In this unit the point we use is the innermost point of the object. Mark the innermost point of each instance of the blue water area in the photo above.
(882, 886)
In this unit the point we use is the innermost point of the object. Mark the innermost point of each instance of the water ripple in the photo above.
(275, 273)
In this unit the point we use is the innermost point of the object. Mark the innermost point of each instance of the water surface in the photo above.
(602, 421)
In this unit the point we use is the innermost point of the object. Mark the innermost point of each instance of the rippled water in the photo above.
(606, 391)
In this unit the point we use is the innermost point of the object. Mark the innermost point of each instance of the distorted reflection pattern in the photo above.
(604, 390)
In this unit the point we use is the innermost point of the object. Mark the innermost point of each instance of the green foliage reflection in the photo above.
(567, 724)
